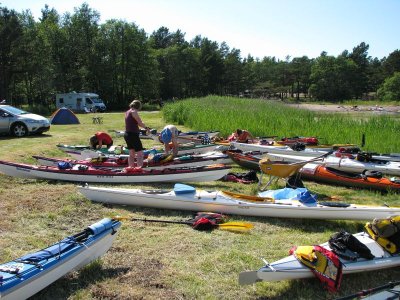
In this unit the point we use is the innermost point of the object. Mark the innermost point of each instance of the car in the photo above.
(20, 123)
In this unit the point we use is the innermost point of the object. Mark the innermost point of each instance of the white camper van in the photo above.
(80, 102)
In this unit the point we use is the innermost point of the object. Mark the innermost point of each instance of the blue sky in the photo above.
(275, 28)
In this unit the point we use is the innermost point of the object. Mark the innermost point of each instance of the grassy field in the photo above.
(268, 118)
(161, 261)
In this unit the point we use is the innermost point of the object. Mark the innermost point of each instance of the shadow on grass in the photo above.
(305, 225)
(351, 283)
(68, 285)
(33, 136)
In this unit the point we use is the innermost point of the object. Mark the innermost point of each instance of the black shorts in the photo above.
(133, 141)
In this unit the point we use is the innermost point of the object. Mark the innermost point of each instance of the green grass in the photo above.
(269, 118)
(161, 261)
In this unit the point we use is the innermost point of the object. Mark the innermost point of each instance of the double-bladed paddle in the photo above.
(203, 222)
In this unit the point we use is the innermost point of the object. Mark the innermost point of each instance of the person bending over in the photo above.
(99, 139)
(169, 137)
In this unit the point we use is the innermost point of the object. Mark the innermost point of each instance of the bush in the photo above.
(390, 90)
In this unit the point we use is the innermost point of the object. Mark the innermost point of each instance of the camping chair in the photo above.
(282, 169)
(277, 170)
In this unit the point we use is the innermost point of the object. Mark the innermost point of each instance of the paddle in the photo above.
(202, 222)
(249, 197)
(313, 159)
(362, 293)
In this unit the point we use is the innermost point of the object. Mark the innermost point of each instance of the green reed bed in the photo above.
(269, 118)
(167, 261)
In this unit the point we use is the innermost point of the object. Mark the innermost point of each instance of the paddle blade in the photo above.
(240, 227)
(121, 218)
(248, 197)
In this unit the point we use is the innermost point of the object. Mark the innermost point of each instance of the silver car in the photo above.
(20, 123)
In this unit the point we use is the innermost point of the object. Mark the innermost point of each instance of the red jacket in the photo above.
(104, 138)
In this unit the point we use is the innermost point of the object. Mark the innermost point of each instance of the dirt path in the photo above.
(390, 109)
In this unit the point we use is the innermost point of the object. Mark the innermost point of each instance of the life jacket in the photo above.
(324, 263)
(386, 232)
(207, 220)
(132, 170)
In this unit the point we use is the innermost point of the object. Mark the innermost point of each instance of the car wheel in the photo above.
(19, 130)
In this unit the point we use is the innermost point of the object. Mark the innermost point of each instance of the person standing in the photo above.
(131, 136)
(169, 137)
(99, 139)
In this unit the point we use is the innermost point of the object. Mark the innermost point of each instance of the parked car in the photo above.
(20, 123)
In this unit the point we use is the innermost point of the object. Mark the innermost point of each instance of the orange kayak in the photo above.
(328, 175)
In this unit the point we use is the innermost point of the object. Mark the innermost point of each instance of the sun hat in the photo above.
(166, 135)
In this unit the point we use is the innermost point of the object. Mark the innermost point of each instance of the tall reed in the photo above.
(273, 118)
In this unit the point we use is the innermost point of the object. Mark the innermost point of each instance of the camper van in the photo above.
(80, 102)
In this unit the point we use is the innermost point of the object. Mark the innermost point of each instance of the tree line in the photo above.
(120, 62)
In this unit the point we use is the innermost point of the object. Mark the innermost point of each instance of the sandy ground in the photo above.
(393, 109)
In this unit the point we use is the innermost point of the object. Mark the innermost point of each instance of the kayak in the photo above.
(388, 291)
(289, 268)
(312, 141)
(249, 160)
(25, 276)
(82, 153)
(188, 198)
(82, 173)
(308, 151)
(142, 134)
(320, 173)
(208, 158)
(192, 136)
(347, 164)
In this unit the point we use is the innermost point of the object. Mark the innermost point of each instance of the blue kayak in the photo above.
(23, 277)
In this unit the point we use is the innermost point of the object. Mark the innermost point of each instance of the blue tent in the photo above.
(64, 116)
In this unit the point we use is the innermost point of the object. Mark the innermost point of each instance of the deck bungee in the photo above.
(82, 173)
(184, 197)
(27, 275)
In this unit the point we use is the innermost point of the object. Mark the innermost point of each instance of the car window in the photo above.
(14, 110)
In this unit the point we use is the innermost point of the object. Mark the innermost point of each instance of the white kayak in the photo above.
(85, 153)
(23, 277)
(184, 197)
(290, 268)
(191, 136)
(81, 173)
(280, 149)
(209, 158)
(344, 163)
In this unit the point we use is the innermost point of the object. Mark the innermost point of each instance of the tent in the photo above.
(64, 116)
